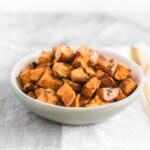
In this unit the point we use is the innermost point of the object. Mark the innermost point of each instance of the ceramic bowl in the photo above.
(77, 116)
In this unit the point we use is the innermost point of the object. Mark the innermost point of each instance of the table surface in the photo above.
(23, 34)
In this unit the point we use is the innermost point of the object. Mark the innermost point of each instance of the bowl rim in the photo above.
(15, 87)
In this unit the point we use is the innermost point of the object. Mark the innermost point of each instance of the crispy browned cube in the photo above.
(108, 94)
(80, 61)
(109, 66)
(35, 74)
(40, 94)
(89, 71)
(31, 94)
(75, 86)
(83, 101)
(106, 81)
(25, 76)
(122, 72)
(90, 87)
(45, 57)
(78, 75)
(121, 95)
(96, 102)
(48, 81)
(76, 102)
(66, 94)
(93, 58)
(61, 69)
(84, 50)
(128, 86)
(63, 53)
(28, 87)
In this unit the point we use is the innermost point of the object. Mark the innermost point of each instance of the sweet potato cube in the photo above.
(31, 94)
(24, 76)
(89, 71)
(75, 86)
(45, 57)
(96, 102)
(108, 94)
(35, 74)
(83, 101)
(106, 81)
(109, 66)
(78, 75)
(63, 53)
(61, 69)
(66, 94)
(84, 50)
(76, 102)
(121, 95)
(122, 72)
(40, 94)
(28, 87)
(90, 87)
(94, 56)
(128, 86)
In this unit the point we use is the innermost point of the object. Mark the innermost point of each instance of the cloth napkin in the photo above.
(21, 129)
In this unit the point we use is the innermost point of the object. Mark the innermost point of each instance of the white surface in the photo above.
(75, 6)
(78, 116)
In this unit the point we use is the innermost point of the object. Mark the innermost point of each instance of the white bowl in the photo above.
(77, 116)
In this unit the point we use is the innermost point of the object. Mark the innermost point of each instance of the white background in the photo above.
(74, 6)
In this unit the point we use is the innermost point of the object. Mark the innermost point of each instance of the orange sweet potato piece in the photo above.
(66, 94)
(24, 76)
(109, 66)
(28, 87)
(75, 86)
(94, 56)
(45, 57)
(76, 102)
(121, 95)
(90, 87)
(108, 94)
(96, 102)
(122, 72)
(84, 51)
(48, 81)
(78, 75)
(106, 81)
(35, 74)
(63, 53)
(61, 69)
(83, 101)
(128, 86)
(40, 94)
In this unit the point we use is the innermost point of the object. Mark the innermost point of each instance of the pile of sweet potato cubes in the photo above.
(80, 78)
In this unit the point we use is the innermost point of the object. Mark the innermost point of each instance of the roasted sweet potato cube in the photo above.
(45, 57)
(90, 87)
(76, 102)
(75, 86)
(40, 94)
(128, 86)
(83, 101)
(122, 72)
(84, 50)
(52, 98)
(24, 76)
(35, 74)
(78, 75)
(94, 56)
(61, 69)
(28, 87)
(96, 102)
(63, 53)
(31, 94)
(66, 94)
(48, 81)
(108, 94)
(109, 66)
(80, 61)
(106, 81)
(90, 71)
(121, 95)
